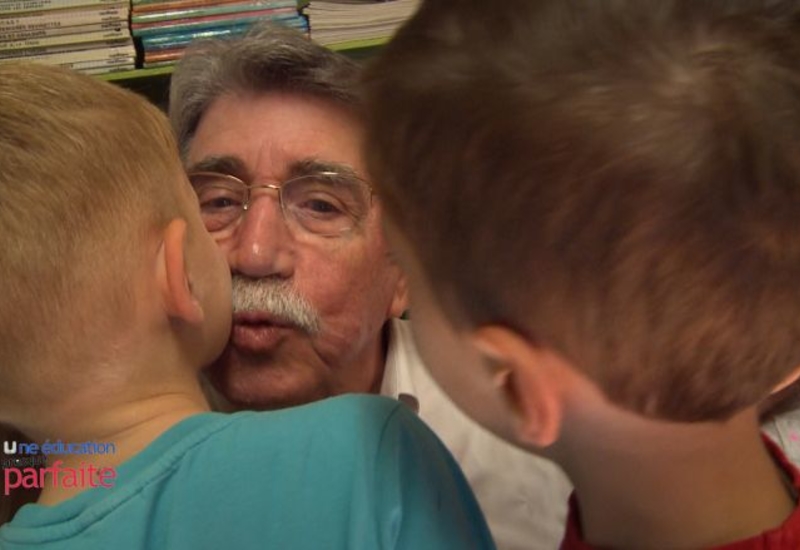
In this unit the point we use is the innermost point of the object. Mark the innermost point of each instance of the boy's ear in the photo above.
(525, 374)
(787, 381)
(173, 279)
(783, 397)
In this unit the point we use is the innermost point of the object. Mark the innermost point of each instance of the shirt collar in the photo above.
(400, 356)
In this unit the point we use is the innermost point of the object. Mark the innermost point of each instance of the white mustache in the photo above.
(277, 297)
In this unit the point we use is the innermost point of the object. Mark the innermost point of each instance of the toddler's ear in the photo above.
(784, 397)
(787, 381)
(173, 280)
(529, 380)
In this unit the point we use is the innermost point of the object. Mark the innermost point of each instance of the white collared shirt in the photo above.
(524, 497)
(784, 429)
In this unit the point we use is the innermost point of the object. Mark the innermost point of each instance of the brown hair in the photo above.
(618, 180)
(88, 169)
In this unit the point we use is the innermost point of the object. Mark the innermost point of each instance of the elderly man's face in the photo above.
(308, 309)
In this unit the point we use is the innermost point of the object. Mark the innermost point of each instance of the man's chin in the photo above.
(267, 386)
(271, 403)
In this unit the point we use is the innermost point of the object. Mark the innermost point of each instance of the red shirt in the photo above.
(784, 537)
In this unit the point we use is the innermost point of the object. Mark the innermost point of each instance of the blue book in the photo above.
(182, 39)
(174, 40)
(289, 18)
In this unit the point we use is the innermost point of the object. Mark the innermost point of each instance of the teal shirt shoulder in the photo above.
(351, 472)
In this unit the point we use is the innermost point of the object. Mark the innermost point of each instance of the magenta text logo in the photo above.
(25, 465)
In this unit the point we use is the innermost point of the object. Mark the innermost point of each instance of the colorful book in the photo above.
(60, 31)
(163, 55)
(150, 17)
(48, 41)
(287, 16)
(160, 5)
(26, 6)
(183, 39)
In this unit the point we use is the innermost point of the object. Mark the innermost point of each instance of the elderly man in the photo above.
(270, 129)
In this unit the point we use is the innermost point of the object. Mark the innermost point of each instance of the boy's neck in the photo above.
(130, 426)
(673, 485)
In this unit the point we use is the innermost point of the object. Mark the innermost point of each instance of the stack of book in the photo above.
(90, 36)
(166, 27)
(342, 24)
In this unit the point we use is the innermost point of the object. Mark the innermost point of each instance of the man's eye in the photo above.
(216, 198)
(320, 207)
(219, 203)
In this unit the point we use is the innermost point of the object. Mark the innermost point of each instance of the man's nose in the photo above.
(263, 244)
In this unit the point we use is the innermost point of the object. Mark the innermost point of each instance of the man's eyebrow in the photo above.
(234, 166)
(223, 164)
(307, 166)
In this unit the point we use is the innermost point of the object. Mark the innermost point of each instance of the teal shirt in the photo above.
(351, 472)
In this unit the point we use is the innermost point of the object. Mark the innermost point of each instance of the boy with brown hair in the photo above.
(598, 207)
(114, 297)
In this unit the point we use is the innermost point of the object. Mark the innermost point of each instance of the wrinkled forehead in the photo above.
(268, 135)
(301, 166)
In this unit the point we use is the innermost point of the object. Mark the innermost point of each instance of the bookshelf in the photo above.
(153, 83)
(135, 43)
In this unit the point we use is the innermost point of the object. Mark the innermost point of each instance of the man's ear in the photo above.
(525, 374)
(399, 303)
(173, 280)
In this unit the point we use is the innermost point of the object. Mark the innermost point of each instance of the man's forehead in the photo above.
(236, 166)
(269, 133)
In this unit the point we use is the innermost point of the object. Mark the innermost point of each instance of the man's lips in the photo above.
(258, 332)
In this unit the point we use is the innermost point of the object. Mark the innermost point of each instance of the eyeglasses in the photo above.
(324, 203)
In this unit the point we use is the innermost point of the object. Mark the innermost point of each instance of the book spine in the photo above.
(182, 39)
(178, 4)
(100, 63)
(26, 6)
(63, 39)
(278, 16)
(99, 67)
(62, 48)
(103, 54)
(210, 10)
(122, 67)
(164, 55)
(157, 64)
(60, 31)
(138, 3)
(62, 18)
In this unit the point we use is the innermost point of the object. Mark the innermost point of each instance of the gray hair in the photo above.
(277, 296)
(268, 57)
